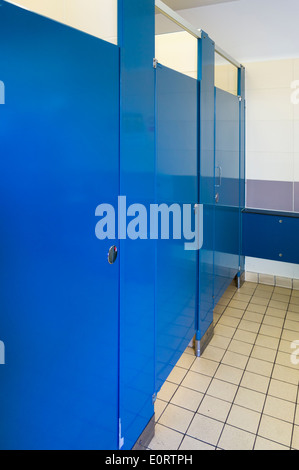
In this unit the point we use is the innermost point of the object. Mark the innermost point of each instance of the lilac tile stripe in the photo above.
(296, 197)
(271, 195)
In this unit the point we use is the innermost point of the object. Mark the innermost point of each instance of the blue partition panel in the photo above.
(206, 174)
(271, 235)
(137, 183)
(58, 296)
(177, 156)
(227, 184)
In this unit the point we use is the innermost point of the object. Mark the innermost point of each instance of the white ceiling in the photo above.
(249, 30)
(183, 4)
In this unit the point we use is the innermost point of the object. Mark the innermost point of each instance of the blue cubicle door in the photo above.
(227, 190)
(59, 295)
(177, 157)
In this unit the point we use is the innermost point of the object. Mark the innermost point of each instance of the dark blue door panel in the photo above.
(177, 157)
(227, 188)
(58, 296)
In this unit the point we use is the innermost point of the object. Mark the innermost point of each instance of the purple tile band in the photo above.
(272, 195)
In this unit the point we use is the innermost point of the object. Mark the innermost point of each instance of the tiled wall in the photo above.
(272, 135)
(95, 17)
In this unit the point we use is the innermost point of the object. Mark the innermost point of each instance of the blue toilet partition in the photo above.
(177, 183)
(227, 189)
(59, 295)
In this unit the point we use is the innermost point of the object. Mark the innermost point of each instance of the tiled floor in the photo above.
(243, 392)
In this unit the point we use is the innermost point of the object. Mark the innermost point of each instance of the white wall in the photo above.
(95, 17)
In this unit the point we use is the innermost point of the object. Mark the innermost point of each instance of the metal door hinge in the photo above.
(154, 398)
(155, 63)
(240, 98)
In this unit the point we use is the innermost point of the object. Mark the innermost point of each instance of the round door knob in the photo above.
(112, 255)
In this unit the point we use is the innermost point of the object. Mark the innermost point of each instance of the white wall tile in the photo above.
(269, 105)
(270, 74)
(270, 166)
(270, 136)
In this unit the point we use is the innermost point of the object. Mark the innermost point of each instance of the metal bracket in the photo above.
(155, 63)
(154, 398)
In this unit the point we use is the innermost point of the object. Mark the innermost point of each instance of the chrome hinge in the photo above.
(240, 98)
(155, 63)
(154, 398)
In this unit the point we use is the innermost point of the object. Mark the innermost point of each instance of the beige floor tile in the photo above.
(281, 409)
(259, 367)
(292, 316)
(177, 375)
(260, 301)
(273, 321)
(283, 390)
(176, 418)
(205, 429)
(283, 290)
(236, 439)
(285, 346)
(159, 408)
(256, 307)
(234, 359)
(167, 391)
(275, 312)
(265, 354)
(219, 342)
(213, 354)
(165, 439)
(275, 430)
(251, 326)
(294, 300)
(295, 439)
(186, 361)
(286, 374)
(267, 342)
(229, 374)
(222, 390)
(189, 443)
(196, 381)
(238, 304)
(285, 359)
(240, 347)
(246, 336)
(256, 382)
(291, 325)
(204, 366)
(264, 444)
(250, 399)
(278, 305)
(214, 408)
(272, 331)
(280, 297)
(250, 315)
(244, 418)
(293, 308)
(226, 331)
(187, 398)
(234, 312)
(226, 320)
(242, 297)
(289, 335)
